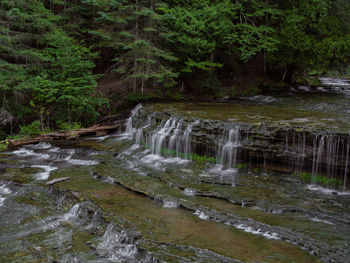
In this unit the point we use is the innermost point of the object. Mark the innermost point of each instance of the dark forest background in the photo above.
(64, 62)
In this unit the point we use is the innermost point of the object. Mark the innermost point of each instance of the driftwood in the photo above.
(57, 180)
(96, 130)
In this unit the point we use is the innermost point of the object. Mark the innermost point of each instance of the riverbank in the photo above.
(96, 130)
(124, 201)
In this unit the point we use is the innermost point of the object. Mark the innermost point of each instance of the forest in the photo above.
(63, 63)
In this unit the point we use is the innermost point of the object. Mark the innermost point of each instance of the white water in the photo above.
(335, 82)
(24, 152)
(201, 215)
(41, 146)
(81, 162)
(170, 143)
(253, 231)
(72, 213)
(170, 204)
(117, 246)
(129, 129)
(190, 192)
(109, 180)
(4, 191)
(157, 161)
(228, 151)
(46, 173)
(323, 190)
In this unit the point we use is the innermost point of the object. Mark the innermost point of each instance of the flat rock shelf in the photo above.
(185, 183)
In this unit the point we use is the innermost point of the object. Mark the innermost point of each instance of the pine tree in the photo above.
(131, 30)
(23, 24)
(43, 73)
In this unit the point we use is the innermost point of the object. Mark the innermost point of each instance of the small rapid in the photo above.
(174, 188)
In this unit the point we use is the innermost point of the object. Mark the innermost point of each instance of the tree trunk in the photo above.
(212, 56)
(148, 67)
(266, 22)
(69, 115)
(41, 118)
(134, 86)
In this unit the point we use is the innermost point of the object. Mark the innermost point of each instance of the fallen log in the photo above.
(57, 180)
(95, 130)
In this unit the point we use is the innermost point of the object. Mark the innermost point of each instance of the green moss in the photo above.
(203, 159)
(320, 179)
(241, 165)
(194, 157)
(80, 241)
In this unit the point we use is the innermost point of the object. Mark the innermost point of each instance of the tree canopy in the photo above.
(53, 52)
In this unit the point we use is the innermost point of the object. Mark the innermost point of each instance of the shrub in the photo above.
(65, 126)
(32, 129)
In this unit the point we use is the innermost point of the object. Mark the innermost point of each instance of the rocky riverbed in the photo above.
(186, 183)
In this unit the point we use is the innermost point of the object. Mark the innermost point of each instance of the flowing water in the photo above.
(187, 183)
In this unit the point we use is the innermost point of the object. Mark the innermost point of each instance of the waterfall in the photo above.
(170, 139)
(174, 142)
(318, 158)
(330, 158)
(129, 129)
(158, 139)
(228, 151)
(321, 158)
(186, 140)
(346, 164)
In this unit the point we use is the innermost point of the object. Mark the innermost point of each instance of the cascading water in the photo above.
(174, 142)
(296, 151)
(129, 129)
(228, 151)
(158, 140)
(330, 158)
(304, 153)
(170, 139)
(226, 157)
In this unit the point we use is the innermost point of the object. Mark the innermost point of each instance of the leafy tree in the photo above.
(65, 86)
(310, 35)
(254, 29)
(41, 68)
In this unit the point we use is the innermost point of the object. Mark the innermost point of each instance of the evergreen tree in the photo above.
(130, 29)
(47, 72)
(23, 25)
(196, 30)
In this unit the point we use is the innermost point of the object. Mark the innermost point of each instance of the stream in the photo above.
(260, 179)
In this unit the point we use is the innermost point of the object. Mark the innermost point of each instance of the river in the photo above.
(260, 179)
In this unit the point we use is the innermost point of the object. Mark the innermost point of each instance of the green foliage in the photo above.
(65, 126)
(47, 72)
(241, 165)
(324, 180)
(138, 97)
(233, 92)
(3, 146)
(32, 129)
(195, 30)
(178, 96)
(194, 157)
(53, 52)
(131, 30)
(202, 159)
